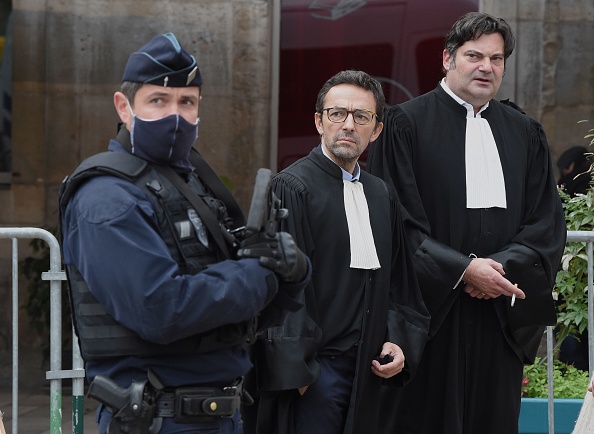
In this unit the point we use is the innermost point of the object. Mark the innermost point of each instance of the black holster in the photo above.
(136, 417)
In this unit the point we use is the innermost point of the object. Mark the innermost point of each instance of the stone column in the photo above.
(550, 72)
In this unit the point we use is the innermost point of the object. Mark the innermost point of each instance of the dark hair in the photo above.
(356, 78)
(473, 25)
(575, 154)
(129, 89)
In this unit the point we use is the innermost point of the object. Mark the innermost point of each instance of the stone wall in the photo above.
(551, 73)
(68, 62)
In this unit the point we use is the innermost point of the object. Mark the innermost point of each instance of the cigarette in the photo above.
(513, 300)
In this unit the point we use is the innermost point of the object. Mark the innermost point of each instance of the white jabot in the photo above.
(363, 253)
(485, 184)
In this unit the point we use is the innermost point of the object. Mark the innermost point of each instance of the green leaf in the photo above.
(568, 381)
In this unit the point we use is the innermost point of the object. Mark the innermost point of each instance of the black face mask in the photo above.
(166, 140)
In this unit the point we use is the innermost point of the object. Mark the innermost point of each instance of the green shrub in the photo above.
(571, 284)
(568, 382)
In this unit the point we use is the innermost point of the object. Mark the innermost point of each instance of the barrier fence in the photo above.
(55, 275)
(55, 375)
(573, 237)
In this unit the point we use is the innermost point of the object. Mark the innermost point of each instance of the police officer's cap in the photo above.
(163, 61)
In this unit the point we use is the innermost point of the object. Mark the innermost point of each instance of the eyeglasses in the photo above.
(339, 114)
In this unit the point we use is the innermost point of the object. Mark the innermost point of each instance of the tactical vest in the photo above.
(100, 335)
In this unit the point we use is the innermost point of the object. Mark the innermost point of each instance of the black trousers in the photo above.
(323, 408)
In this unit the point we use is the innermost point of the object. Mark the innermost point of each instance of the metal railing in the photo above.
(573, 237)
(55, 275)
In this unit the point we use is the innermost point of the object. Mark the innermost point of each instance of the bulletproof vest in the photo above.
(190, 244)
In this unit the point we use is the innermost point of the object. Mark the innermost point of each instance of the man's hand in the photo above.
(279, 253)
(484, 279)
(389, 369)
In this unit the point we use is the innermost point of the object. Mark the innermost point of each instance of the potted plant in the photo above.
(570, 385)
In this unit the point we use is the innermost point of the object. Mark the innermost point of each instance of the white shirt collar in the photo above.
(469, 108)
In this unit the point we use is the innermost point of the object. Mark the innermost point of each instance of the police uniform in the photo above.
(151, 290)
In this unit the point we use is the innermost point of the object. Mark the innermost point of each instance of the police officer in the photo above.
(164, 304)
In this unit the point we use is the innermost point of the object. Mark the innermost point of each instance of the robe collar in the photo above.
(325, 163)
(446, 99)
(346, 176)
(469, 107)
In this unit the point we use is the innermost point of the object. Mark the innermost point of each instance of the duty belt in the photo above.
(199, 404)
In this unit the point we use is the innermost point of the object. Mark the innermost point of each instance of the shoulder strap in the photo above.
(214, 183)
(210, 179)
(206, 174)
(129, 167)
(202, 209)
(117, 164)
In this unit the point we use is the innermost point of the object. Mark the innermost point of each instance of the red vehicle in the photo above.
(399, 42)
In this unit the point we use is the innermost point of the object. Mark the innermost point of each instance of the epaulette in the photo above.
(512, 104)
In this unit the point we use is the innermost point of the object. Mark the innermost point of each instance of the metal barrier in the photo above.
(573, 237)
(55, 275)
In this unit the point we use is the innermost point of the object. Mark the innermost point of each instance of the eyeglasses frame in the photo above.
(349, 112)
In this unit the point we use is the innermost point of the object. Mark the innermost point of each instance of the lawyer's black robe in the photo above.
(470, 375)
(386, 302)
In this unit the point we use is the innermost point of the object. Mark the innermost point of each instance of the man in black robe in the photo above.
(317, 373)
(486, 227)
